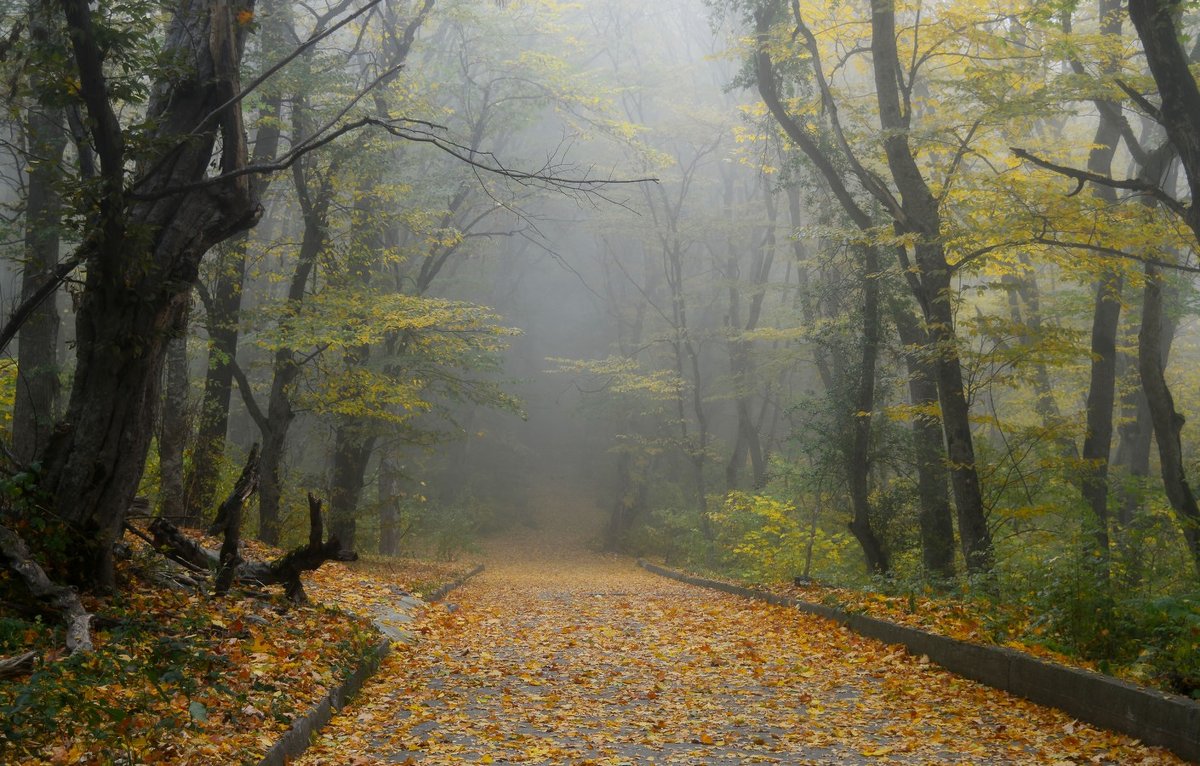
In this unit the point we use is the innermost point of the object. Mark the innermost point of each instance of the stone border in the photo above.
(444, 590)
(296, 739)
(1156, 718)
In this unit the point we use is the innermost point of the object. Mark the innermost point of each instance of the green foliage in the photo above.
(1169, 627)
(8, 395)
(766, 540)
(170, 663)
(676, 535)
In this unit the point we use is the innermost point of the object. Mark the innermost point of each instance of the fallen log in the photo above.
(11, 667)
(60, 598)
(285, 571)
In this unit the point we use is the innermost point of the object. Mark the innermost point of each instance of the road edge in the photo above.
(296, 739)
(445, 590)
(1156, 718)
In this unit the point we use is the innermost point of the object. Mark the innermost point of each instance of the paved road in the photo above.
(557, 656)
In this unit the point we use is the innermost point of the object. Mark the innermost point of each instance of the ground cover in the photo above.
(182, 677)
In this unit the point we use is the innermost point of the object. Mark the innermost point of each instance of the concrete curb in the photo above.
(444, 591)
(1156, 718)
(296, 739)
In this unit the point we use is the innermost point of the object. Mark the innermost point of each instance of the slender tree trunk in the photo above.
(1133, 459)
(224, 309)
(173, 429)
(389, 505)
(314, 205)
(859, 468)
(936, 519)
(1097, 440)
(274, 429)
(1024, 293)
(35, 402)
(1168, 423)
(920, 215)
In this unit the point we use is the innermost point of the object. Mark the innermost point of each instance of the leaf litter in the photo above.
(554, 656)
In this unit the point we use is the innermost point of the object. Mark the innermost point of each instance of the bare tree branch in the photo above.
(1084, 176)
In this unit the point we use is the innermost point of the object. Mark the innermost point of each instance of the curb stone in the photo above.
(1156, 718)
(444, 591)
(296, 739)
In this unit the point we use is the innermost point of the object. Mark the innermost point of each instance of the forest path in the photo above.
(557, 655)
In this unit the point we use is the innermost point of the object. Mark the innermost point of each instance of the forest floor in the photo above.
(182, 677)
(557, 655)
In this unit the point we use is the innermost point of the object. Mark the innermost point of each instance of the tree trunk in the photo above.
(314, 207)
(142, 259)
(1156, 22)
(859, 458)
(173, 430)
(351, 453)
(1097, 440)
(224, 309)
(35, 403)
(1168, 423)
(274, 430)
(936, 519)
(919, 214)
(389, 506)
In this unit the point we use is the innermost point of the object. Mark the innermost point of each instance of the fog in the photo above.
(730, 282)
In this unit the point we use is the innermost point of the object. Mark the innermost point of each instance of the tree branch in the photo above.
(1085, 176)
(61, 598)
(21, 314)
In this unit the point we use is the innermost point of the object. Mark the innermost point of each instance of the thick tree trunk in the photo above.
(142, 258)
(351, 452)
(35, 403)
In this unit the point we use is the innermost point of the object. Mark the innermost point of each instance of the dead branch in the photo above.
(229, 520)
(243, 490)
(60, 598)
(285, 571)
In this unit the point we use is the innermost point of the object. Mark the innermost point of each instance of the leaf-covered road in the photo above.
(561, 657)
